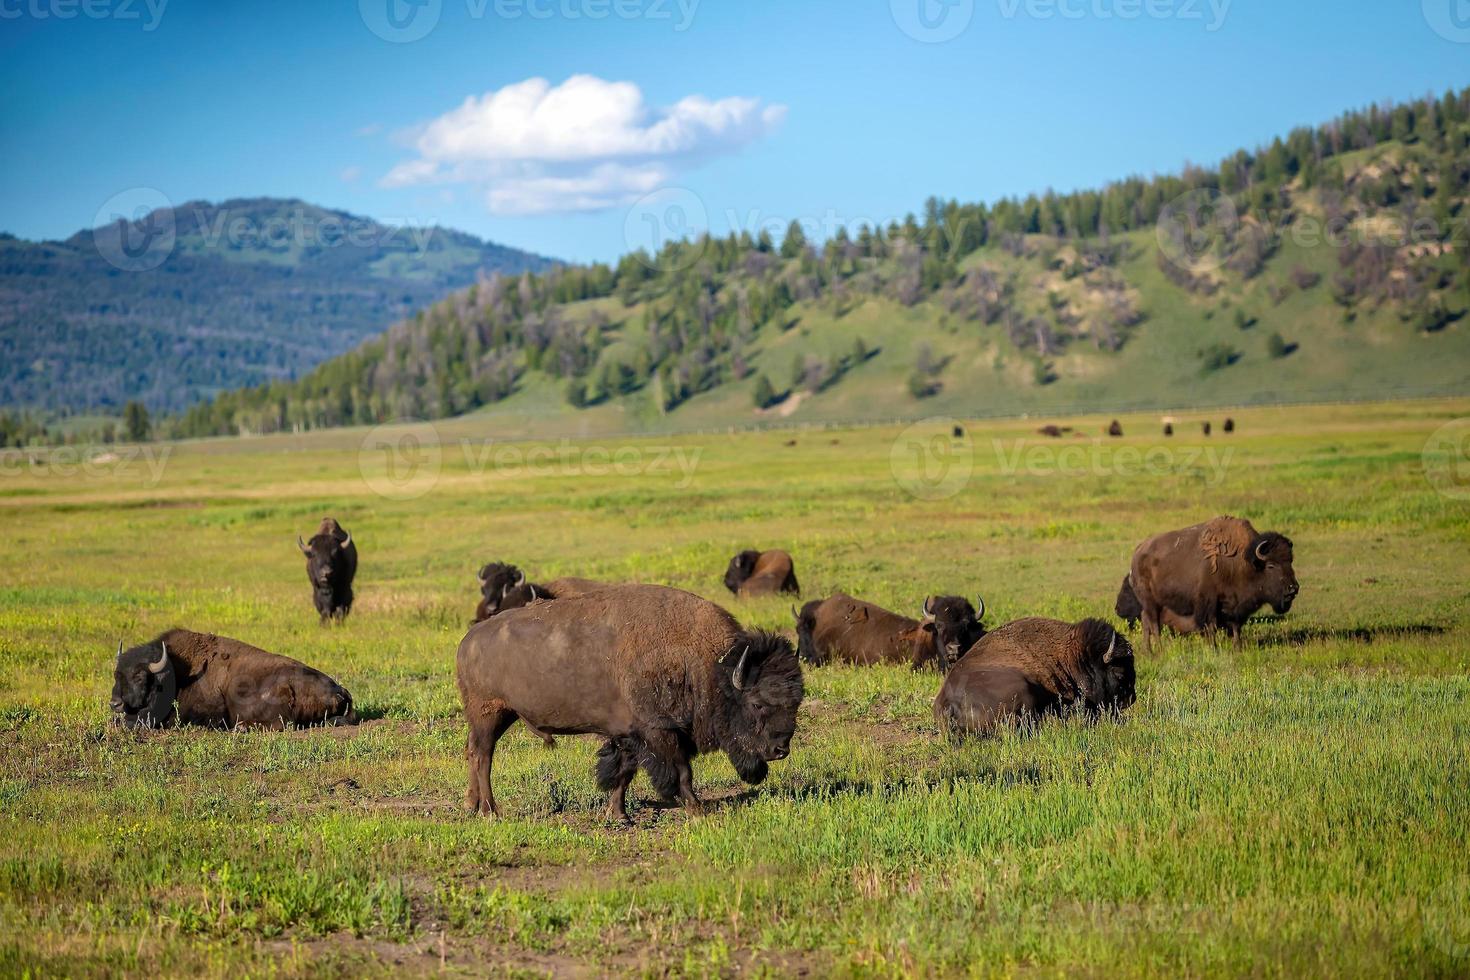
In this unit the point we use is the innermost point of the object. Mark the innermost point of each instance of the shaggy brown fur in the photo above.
(651, 669)
(1211, 575)
(754, 573)
(1033, 667)
(222, 683)
(842, 629)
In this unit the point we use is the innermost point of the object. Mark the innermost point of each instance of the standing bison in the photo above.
(753, 573)
(842, 629)
(1036, 667)
(331, 564)
(662, 674)
(1209, 576)
(191, 678)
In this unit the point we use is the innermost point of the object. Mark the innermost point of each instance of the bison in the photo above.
(1168, 428)
(1229, 426)
(663, 675)
(505, 587)
(848, 630)
(1035, 667)
(1116, 429)
(959, 431)
(1126, 605)
(331, 565)
(1210, 575)
(191, 678)
(1205, 428)
(753, 573)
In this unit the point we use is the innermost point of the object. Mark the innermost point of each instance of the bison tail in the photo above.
(1128, 608)
(806, 623)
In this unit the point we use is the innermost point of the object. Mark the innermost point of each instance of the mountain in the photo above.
(1330, 264)
(193, 300)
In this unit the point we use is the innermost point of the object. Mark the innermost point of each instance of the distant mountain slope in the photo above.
(1329, 264)
(244, 292)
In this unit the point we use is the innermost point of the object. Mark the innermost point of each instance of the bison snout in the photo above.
(779, 753)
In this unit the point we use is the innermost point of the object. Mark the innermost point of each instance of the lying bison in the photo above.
(1036, 667)
(331, 565)
(202, 679)
(662, 674)
(753, 573)
(842, 629)
(1209, 576)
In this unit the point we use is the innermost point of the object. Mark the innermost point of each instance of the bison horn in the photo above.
(533, 593)
(1261, 545)
(979, 608)
(738, 678)
(928, 603)
(481, 577)
(302, 545)
(346, 541)
(119, 649)
(521, 581)
(161, 664)
(1108, 657)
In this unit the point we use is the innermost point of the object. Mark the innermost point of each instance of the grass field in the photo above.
(1297, 808)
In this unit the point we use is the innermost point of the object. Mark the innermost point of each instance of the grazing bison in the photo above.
(1035, 667)
(753, 573)
(1116, 429)
(331, 565)
(1229, 426)
(201, 679)
(1168, 428)
(846, 630)
(662, 674)
(1126, 605)
(1210, 575)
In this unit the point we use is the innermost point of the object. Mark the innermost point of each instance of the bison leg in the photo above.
(617, 764)
(668, 750)
(1150, 626)
(488, 722)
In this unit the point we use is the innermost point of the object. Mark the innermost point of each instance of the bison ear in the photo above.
(860, 614)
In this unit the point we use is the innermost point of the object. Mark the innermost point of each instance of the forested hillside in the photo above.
(1330, 263)
(247, 292)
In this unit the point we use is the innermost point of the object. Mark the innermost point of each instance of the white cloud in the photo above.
(584, 145)
(350, 174)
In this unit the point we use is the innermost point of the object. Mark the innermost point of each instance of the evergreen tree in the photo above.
(136, 422)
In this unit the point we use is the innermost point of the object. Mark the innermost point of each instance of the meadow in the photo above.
(1298, 807)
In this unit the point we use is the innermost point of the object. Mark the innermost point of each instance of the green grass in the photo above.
(1296, 808)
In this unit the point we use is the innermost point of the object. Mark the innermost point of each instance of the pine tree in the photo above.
(764, 394)
(794, 244)
(136, 422)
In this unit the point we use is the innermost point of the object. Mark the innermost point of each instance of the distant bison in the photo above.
(503, 587)
(1210, 575)
(1168, 428)
(1116, 429)
(959, 432)
(331, 565)
(842, 629)
(1205, 428)
(1053, 431)
(201, 679)
(1229, 425)
(754, 573)
(1035, 667)
(662, 674)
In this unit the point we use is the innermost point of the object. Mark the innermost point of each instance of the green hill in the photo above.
(1330, 264)
(238, 293)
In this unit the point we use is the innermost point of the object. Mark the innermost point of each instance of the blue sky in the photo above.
(820, 110)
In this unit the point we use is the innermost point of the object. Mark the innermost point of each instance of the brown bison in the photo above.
(1229, 426)
(753, 573)
(505, 587)
(1209, 576)
(331, 565)
(1116, 429)
(201, 679)
(1053, 431)
(842, 629)
(662, 674)
(1035, 667)
(1205, 428)
(1168, 428)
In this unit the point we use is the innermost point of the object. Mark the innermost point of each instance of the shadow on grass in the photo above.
(1297, 636)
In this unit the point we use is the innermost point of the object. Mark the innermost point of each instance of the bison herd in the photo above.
(662, 675)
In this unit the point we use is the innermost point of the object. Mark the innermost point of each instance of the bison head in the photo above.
(143, 686)
(955, 624)
(321, 554)
(760, 680)
(1271, 557)
(498, 580)
(742, 567)
(1106, 680)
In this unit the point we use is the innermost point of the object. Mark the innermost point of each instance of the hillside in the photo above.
(1329, 264)
(244, 292)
